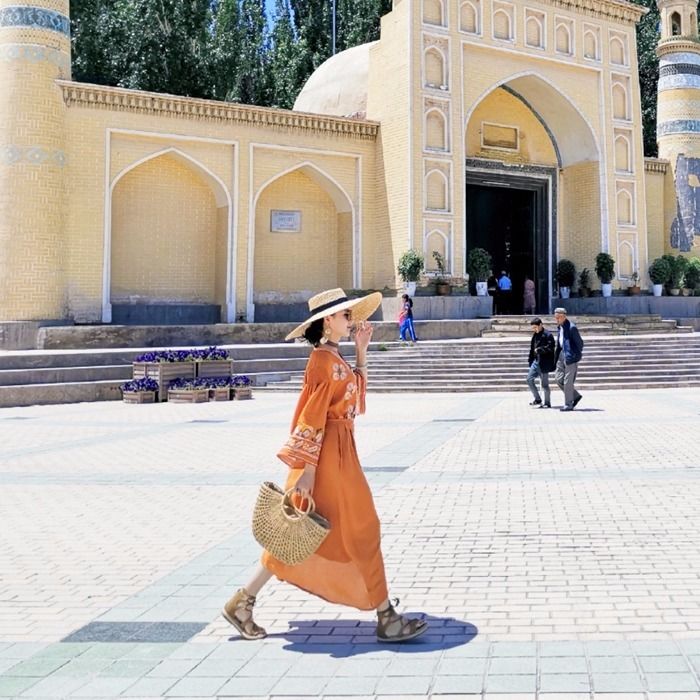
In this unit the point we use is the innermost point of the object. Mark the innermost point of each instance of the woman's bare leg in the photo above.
(258, 580)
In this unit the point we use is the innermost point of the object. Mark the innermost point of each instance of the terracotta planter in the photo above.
(584, 292)
(634, 290)
(674, 291)
(443, 289)
(686, 292)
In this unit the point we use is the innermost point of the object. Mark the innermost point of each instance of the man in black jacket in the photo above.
(568, 355)
(541, 361)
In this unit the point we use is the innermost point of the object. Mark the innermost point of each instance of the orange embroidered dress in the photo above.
(348, 568)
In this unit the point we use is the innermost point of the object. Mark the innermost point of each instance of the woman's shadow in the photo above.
(345, 638)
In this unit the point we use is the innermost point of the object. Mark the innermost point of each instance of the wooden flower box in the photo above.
(222, 393)
(214, 368)
(188, 395)
(164, 373)
(139, 396)
(241, 393)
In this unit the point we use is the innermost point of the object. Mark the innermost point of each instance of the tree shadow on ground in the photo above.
(344, 638)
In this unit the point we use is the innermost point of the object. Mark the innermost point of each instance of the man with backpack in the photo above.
(541, 362)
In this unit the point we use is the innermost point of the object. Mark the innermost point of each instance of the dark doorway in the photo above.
(509, 220)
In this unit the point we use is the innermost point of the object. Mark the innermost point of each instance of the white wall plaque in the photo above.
(285, 221)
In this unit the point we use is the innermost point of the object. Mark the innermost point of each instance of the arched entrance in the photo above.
(304, 222)
(167, 256)
(529, 151)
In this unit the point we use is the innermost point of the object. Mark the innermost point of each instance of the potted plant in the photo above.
(212, 362)
(442, 286)
(584, 282)
(691, 281)
(679, 265)
(220, 388)
(410, 266)
(189, 390)
(605, 270)
(478, 265)
(659, 272)
(139, 390)
(164, 366)
(565, 274)
(242, 387)
(634, 289)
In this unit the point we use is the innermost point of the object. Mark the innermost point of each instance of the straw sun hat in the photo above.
(333, 300)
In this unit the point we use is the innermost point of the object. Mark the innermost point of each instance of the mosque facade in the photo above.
(512, 125)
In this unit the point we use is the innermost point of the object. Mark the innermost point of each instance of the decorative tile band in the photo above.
(34, 18)
(34, 155)
(678, 126)
(679, 69)
(683, 80)
(680, 57)
(34, 53)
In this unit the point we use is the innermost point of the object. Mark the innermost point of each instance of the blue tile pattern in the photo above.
(34, 53)
(678, 126)
(34, 18)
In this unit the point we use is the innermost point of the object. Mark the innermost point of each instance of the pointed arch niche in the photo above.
(320, 253)
(168, 234)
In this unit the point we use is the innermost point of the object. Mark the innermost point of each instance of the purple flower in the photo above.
(143, 384)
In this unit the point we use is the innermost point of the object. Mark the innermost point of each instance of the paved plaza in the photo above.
(556, 555)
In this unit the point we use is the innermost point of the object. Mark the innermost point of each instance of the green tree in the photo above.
(93, 36)
(647, 39)
(287, 52)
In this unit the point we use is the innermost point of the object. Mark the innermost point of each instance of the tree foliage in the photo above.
(647, 38)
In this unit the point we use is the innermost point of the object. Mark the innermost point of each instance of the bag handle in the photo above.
(298, 512)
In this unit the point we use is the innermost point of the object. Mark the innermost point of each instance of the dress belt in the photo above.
(346, 421)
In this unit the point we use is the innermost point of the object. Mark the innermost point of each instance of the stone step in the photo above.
(57, 375)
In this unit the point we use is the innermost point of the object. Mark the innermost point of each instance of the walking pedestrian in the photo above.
(348, 567)
(529, 301)
(406, 320)
(541, 361)
(568, 354)
(505, 292)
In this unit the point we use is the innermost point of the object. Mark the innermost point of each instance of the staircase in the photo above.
(639, 362)
(504, 326)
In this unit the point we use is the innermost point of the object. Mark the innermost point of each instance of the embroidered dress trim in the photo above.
(303, 446)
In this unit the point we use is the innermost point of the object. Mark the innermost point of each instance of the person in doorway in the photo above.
(567, 355)
(406, 320)
(529, 301)
(505, 290)
(492, 289)
(541, 362)
(348, 567)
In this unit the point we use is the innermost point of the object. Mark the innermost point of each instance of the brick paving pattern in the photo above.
(555, 555)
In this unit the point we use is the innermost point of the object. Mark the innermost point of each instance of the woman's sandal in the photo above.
(239, 612)
(392, 627)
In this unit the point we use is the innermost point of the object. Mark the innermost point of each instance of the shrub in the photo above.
(678, 267)
(566, 273)
(479, 264)
(659, 271)
(692, 274)
(584, 278)
(410, 265)
(605, 267)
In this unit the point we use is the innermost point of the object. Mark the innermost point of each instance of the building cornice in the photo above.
(656, 165)
(617, 10)
(678, 44)
(124, 100)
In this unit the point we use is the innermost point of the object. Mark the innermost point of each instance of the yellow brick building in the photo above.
(513, 125)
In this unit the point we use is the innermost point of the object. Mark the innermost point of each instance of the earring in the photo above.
(326, 335)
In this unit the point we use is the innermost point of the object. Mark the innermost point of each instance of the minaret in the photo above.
(678, 113)
(34, 52)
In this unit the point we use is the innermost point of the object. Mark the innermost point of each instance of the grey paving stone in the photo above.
(264, 667)
(511, 684)
(82, 668)
(562, 648)
(563, 664)
(107, 650)
(103, 688)
(11, 686)
(411, 667)
(172, 668)
(37, 667)
(63, 651)
(151, 651)
(195, 687)
(247, 686)
(217, 668)
(128, 668)
(660, 648)
(457, 685)
(472, 649)
(664, 664)
(152, 631)
(192, 650)
(671, 682)
(512, 665)
(524, 649)
(304, 687)
(403, 685)
(22, 650)
(323, 666)
(462, 667)
(565, 683)
(364, 685)
(613, 664)
(53, 687)
(360, 666)
(688, 646)
(616, 683)
(149, 688)
(611, 648)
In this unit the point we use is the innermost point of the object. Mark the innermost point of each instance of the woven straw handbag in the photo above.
(288, 533)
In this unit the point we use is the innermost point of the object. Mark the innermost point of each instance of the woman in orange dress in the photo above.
(348, 567)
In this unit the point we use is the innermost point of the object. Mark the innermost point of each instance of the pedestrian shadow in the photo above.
(345, 638)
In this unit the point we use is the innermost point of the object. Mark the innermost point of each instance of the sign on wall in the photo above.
(285, 221)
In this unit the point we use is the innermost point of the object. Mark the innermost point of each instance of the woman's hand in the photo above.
(363, 334)
(305, 484)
